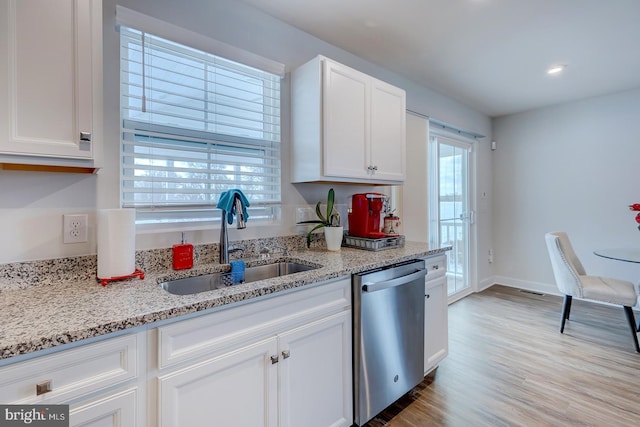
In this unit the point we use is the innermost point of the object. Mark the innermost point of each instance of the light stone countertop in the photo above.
(58, 312)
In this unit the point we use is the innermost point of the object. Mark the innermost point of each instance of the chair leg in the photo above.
(632, 323)
(566, 308)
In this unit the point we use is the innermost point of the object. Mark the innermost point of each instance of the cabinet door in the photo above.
(315, 373)
(114, 410)
(388, 131)
(47, 76)
(436, 334)
(345, 121)
(236, 389)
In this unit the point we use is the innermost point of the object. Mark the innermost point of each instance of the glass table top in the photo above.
(620, 254)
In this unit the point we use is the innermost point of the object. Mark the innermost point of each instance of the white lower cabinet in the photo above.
(99, 381)
(113, 410)
(70, 375)
(298, 378)
(436, 334)
(285, 361)
(315, 374)
(236, 389)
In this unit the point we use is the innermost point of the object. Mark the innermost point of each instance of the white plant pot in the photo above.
(333, 237)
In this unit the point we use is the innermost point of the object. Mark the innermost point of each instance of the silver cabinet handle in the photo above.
(274, 359)
(43, 387)
(435, 267)
(286, 354)
(85, 136)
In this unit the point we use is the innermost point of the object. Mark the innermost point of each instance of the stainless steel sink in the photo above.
(208, 282)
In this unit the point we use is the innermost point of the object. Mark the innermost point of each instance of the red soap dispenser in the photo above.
(182, 255)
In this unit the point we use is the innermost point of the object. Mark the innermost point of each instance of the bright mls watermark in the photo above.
(34, 415)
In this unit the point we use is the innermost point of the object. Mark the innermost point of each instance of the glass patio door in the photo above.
(450, 208)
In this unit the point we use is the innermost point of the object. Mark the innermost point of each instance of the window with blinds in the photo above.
(195, 125)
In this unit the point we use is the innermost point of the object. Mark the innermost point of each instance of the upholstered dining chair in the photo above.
(573, 281)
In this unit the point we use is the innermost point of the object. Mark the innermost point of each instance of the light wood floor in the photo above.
(508, 365)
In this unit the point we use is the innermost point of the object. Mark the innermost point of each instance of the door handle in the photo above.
(372, 287)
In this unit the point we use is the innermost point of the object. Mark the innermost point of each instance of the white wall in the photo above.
(33, 218)
(572, 167)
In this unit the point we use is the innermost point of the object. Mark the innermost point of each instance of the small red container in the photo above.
(182, 256)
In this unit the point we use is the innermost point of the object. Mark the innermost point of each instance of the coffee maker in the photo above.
(364, 218)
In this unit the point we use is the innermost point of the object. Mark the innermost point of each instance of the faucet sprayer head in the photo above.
(240, 219)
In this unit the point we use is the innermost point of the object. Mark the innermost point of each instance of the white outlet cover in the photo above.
(74, 229)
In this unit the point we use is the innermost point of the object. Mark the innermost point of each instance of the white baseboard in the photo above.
(543, 288)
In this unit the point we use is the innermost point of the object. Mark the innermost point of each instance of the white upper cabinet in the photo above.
(346, 126)
(388, 131)
(50, 80)
(345, 118)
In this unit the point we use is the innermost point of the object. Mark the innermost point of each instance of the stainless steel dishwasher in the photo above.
(388, 336)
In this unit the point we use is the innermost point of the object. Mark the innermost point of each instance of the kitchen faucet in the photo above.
(240, 224)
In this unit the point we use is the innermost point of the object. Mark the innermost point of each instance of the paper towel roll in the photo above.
(116, 242)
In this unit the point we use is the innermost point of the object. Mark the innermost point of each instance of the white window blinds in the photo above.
(195, 125)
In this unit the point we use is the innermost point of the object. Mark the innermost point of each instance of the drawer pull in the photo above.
(274, 359)
(85, 136)
(43, 387)
(286, 354)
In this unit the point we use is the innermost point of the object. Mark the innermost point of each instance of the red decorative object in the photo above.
(105, 281)
(182, 256)
(636, 207)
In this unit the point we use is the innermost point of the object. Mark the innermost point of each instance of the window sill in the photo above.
(154, 228)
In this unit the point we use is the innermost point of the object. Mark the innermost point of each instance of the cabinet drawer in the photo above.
(436, 266)
(216, 333)
(71, 373)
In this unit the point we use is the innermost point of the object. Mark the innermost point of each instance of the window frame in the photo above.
(198, 217)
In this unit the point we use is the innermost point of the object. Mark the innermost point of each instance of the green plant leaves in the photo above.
(332, 219)
(310, 232)
(319, 213)
(330, 199)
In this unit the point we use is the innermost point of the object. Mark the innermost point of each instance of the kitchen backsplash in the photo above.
(21, 275)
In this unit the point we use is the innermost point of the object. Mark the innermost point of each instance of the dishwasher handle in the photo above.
(399, 281)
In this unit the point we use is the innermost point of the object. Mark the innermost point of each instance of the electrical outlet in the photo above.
(75, 228)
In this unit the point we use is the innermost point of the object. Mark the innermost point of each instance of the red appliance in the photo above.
(364, 218)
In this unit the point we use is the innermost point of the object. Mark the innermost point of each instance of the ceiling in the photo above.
(491, 55)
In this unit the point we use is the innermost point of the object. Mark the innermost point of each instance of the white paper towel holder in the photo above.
(104, 281)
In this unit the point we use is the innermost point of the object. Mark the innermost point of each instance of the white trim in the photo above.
(539, 287)
(139, 21)
(544, 288)
(435, 138)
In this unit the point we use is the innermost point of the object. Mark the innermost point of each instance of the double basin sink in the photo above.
(208, 282)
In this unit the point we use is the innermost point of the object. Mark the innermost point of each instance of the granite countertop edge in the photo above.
(58, 313)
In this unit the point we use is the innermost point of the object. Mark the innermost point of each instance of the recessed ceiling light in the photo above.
(555, 69)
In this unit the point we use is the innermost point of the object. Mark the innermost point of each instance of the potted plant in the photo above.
(331, 223)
